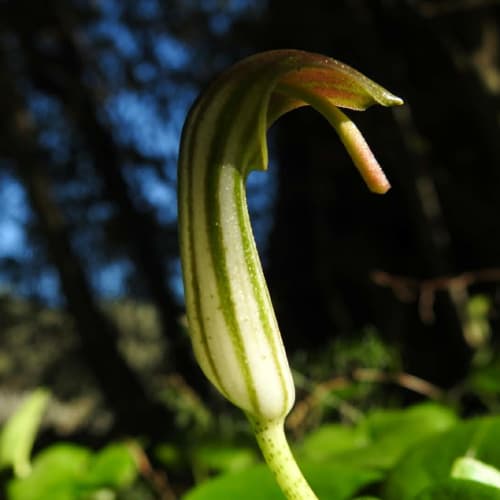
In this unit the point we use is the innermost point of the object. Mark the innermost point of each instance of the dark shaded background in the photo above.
(93, 95)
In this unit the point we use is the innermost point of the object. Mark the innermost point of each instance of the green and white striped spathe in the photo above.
(231, 320)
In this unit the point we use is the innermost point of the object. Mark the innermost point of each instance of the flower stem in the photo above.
(276, 451)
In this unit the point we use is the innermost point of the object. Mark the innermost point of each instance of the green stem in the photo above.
(274, 446)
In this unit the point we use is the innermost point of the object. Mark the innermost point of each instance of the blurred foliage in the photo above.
(432, 461)
(422, 452)
(60, 471)
(351, 440)
(399, 454)
(472, 468)
(67, 471)
(18, 433)
(390, 454)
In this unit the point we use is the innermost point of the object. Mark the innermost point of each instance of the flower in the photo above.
(231, 320)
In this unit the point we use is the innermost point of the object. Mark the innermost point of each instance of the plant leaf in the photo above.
(18, 434)
(114, 466)
(459, 489)
(475, 470)
(431, 462)
(381, 439)
(56, 474)
(328, 481)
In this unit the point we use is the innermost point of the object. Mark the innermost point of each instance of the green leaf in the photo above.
(332, 480)
(55, 474)
(331, 440)
(381, 439)
(70, 472)
(256, 482)
(422, 419)
(486, 380)
(18, 434)
(475, 470)
(328, 481)
(114, 466)
(169, 455)
(431, 461)
(393, 432)
(224, 458)
(459, 489)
